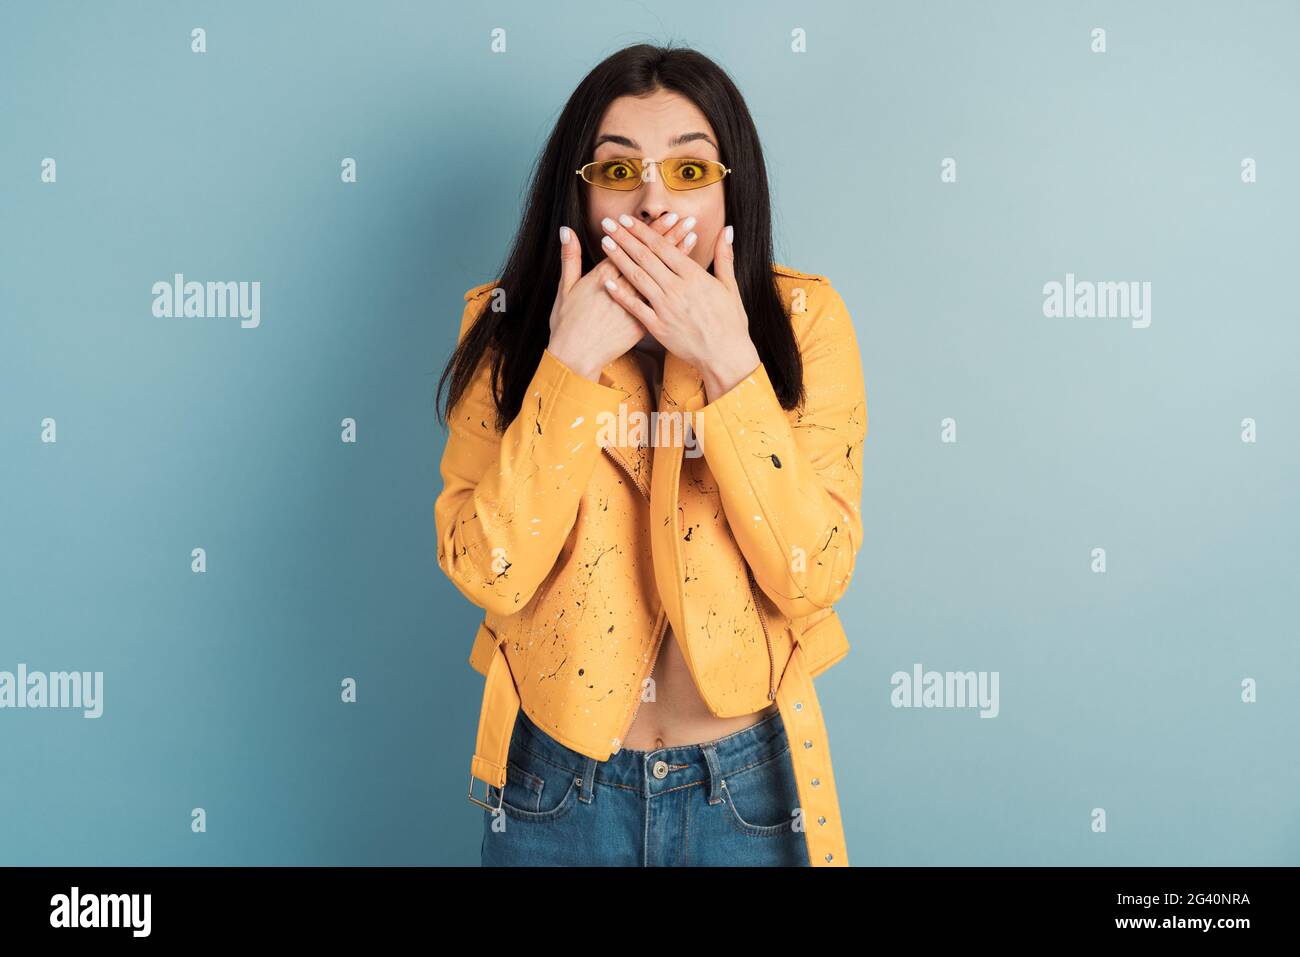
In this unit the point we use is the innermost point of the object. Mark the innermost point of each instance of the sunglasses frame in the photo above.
(645, 164)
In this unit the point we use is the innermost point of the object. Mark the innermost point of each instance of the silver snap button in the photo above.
(821, 820)
(829, 858)
(660, 769)
(798, 706)
(817, 782)
(807, 744)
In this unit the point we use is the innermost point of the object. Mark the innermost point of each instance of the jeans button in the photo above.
(660, 770)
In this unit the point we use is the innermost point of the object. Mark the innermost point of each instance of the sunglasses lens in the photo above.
(614, 174)
(685, 173)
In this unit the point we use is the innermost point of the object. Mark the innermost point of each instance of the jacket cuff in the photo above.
(752, 399)
(572, 389)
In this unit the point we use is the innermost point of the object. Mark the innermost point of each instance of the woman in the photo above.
(658, 599)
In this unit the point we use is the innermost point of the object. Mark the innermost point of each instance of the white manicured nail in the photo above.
(690, 221)
(690, 240)
(626, 220)
(670, 219)
(609, 224)
(608, 243)
(564, 235)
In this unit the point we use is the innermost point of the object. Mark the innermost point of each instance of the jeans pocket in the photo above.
(536, 790)
(763, 801)
(523, 790)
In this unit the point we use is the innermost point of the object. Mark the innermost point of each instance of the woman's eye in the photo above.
(618, 171)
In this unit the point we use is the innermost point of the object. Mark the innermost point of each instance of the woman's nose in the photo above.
(653, 204)
(655, 197)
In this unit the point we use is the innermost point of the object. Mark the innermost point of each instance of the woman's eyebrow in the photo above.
(631, 144)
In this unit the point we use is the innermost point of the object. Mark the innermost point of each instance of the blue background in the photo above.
(1119, 691)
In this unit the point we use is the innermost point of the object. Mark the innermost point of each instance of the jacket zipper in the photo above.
(618, 460)
(762, 618)
(658, 640)
(640, 690)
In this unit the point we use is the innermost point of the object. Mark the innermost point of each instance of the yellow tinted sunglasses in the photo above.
(628, 172)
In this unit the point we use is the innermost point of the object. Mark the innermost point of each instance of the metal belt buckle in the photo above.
(501, 796)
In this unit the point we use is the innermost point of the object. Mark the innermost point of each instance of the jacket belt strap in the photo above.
(810, 754)
(496, 724)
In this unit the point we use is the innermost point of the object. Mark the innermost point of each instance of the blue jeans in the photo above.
(729, 802)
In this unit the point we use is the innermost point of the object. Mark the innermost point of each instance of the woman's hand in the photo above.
(695, 315)
(588, 328)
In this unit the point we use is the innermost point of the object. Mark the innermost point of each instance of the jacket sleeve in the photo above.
(509, 499)
(791, 491)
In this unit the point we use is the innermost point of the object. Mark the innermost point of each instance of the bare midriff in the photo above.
(678, 715)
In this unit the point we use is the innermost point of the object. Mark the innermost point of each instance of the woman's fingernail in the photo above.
(564, 235)
(690, 221)
(609, 243)
(610, 285)
(626, 220)
(609, 224)
(670, 219)
(730, 233)
(690, 240)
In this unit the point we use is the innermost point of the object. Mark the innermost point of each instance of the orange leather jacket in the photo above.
(584, 544)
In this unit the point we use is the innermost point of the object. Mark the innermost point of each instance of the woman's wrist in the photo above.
(575, 365)
(724, 372)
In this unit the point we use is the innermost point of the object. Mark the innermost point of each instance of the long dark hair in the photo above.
(531, 276)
